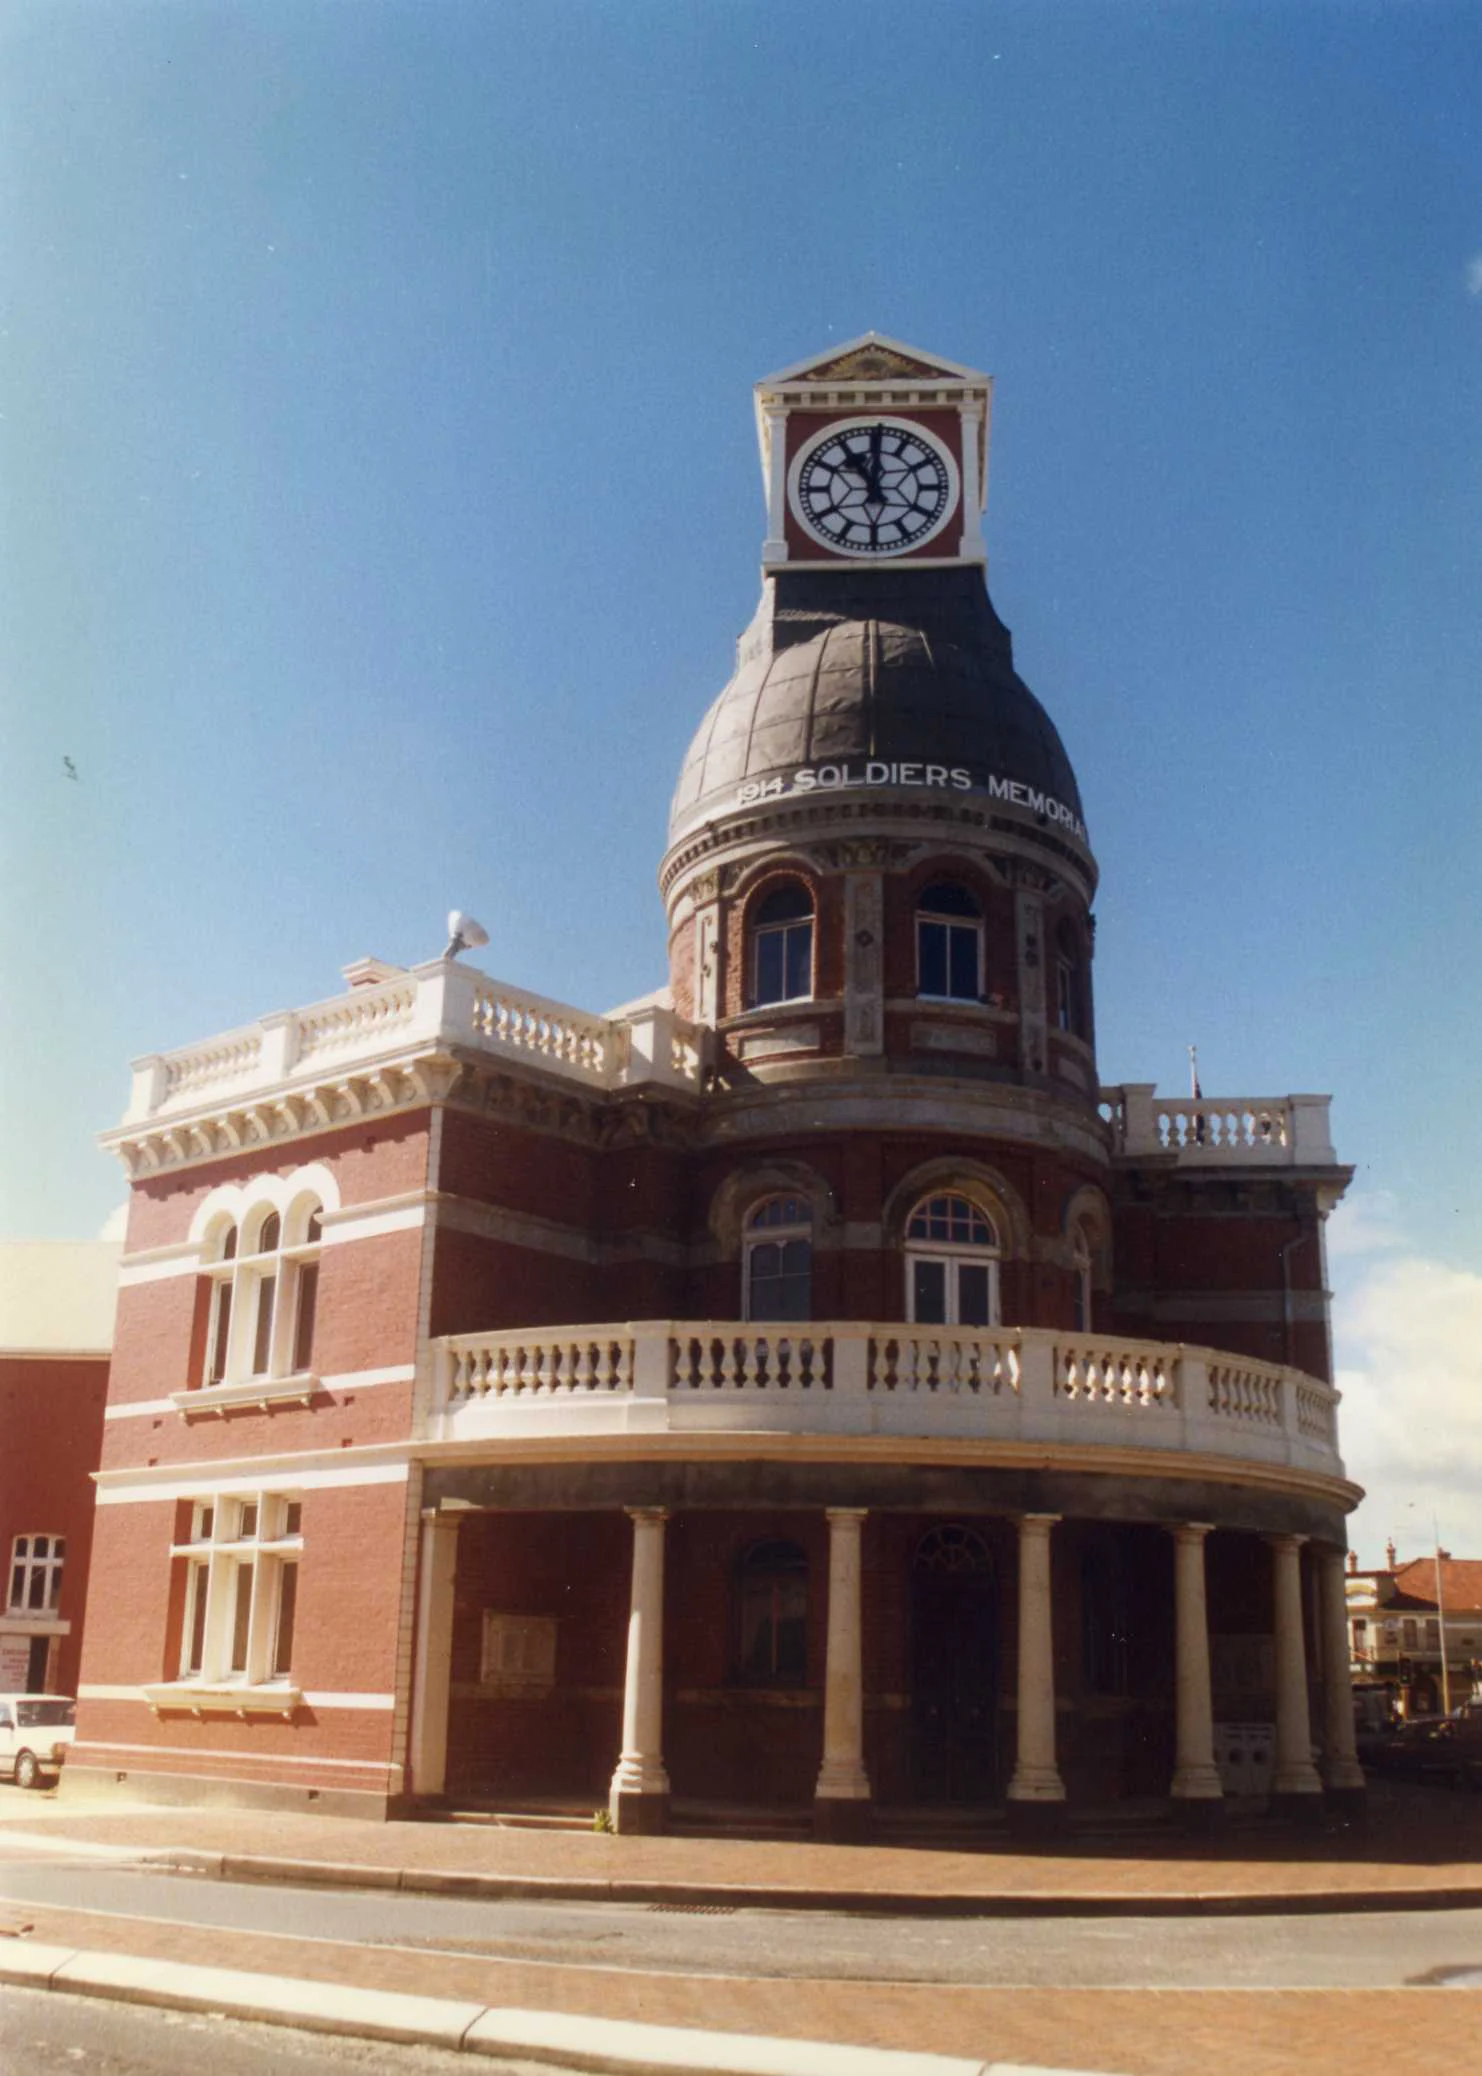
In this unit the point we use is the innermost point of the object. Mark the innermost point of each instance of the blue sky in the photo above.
(381, 506)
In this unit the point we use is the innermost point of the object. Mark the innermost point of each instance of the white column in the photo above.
(1195, 1775)
(1294, 1772)
(842, 1776)
(1341, 1761)
(774, 547)
(1036, 1776)
(640, 1769)
(432, 1673)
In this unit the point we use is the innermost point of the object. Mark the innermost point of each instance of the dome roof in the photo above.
(857, 673)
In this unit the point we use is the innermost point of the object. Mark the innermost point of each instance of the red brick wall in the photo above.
(345, 1641)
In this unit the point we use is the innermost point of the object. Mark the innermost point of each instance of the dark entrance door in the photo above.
(954, 1668)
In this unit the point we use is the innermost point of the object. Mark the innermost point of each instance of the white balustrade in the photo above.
(364, 1017)
(424, 1009)
(1010, 1384)
(1218, 1131)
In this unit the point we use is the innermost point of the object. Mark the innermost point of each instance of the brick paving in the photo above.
(1415, 1842)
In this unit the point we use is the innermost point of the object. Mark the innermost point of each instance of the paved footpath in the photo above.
(1419, 1850)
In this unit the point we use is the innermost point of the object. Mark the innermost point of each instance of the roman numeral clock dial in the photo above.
(873, 487)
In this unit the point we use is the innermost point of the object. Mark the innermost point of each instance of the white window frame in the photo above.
(954, 1255)
(782, 929)
(33, 1564)
(250, 1536)
(952, 923)
(285, 1276)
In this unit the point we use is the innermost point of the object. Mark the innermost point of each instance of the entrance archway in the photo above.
(954, 1667)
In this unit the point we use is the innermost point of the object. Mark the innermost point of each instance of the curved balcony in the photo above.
(850, 1377)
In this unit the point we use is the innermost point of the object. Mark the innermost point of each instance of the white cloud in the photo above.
(115, 1224)
(1409, 1357)
(1474, 276)
(1366, 1222)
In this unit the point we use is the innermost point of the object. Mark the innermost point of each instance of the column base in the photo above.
(1303, 1811)
(1036, 1822)
(843, 1820)
(638, 1815)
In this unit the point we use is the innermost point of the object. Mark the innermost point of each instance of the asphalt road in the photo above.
(1358, 1951)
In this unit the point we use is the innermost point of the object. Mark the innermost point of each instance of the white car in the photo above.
(35, 1731)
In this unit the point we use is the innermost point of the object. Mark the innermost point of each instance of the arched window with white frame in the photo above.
(781, 932)
(952, 1257)
(264, 1275)
(949, 943)
(777, 1259)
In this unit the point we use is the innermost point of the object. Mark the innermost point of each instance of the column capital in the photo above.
(842, 1514)
(1286, 1542)
(1038, 1524)
(657, 1515)
(1189, 1531)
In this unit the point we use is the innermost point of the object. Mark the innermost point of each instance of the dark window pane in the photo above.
(929, 1293)
(36, 1588)
(248, 1526)
(974, 1293)
(287, 1609)
(223, 1333)
(262, 1340)
(787, 904)
(196, 1652)
(293, 1518)
(965, 985)
(945, 898)
(931, 958)
(241, 1616)
(303, 1331)
(780, 1280)
(769, 968)
(799, 961)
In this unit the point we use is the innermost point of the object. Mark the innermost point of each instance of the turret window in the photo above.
(952, 1257)
(779, 1260)
(782, 946)
(1070, 984)
(949, 943)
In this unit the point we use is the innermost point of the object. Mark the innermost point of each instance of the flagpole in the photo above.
(1441, 1620)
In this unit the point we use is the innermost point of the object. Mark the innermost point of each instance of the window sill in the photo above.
(256, 1393)
(223, 1698)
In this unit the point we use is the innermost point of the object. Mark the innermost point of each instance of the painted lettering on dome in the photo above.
(958, 778)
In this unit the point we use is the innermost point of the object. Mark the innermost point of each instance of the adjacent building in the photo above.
(1409, 1620)
(56, 1330)
(807, 1388)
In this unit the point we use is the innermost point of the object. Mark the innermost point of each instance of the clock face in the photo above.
(873, 487)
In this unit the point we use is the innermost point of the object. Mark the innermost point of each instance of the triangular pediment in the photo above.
(872, 358)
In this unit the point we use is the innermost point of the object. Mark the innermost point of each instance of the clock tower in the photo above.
(878, 861)
(874, 454)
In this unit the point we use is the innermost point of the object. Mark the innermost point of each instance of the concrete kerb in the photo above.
(532, 1888)
(615, 2045)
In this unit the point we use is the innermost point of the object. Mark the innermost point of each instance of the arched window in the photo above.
(1070, 983)
(782, 945)
(778, 1264)
(772, 1610)
(949, 943)
(264, 1279)
(952, 1256)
